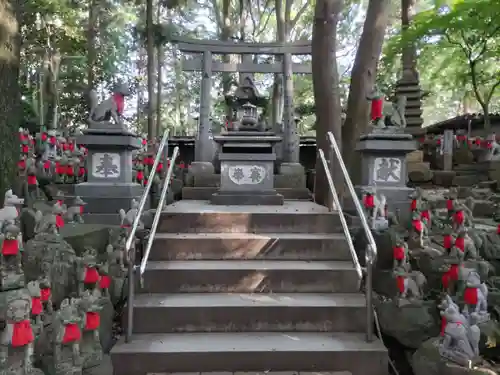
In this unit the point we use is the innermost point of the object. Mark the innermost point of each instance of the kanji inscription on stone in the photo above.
(246, 174)
(106, 165)
(387, 170)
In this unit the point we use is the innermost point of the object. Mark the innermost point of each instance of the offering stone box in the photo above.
(109, 185)
(247, 169)
(384, 167)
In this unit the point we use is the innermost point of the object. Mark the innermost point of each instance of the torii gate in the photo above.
(291, 140)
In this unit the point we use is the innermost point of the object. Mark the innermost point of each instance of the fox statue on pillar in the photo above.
(102, 113)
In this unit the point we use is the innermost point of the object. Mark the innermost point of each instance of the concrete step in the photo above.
(249, 351)
(220, 312)
(292, 217)
(257, 373)
(250, 276)
(279, 246)
(205, 193)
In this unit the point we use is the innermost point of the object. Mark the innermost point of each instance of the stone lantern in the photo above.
(248, 115)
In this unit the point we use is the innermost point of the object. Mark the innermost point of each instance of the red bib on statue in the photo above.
(91, 275)
(22, 333)
(10, 247)
(71, 333)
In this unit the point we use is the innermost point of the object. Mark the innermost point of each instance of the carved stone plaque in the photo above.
(387, 170)
(246, 174)
(106, 165)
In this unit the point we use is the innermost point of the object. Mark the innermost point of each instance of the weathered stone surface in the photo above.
(427, 361)
(443, 178)
(419, 172)
(410, 324)
(80, 236)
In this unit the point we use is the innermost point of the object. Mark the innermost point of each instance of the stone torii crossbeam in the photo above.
(204, 149)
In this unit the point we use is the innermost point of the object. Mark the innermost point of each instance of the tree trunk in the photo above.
(10, 96)
(362, 80)
(92, 42)
(326, 91)
(151, 69)
(159, 81)
(409, 55)
(225, 34)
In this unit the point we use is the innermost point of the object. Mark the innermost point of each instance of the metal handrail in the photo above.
(343, 221)
(371, 251)
(133, 230)
(159, 209)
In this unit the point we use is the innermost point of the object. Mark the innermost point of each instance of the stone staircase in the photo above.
(249, 289)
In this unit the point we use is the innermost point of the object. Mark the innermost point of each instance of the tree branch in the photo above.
(299, 14)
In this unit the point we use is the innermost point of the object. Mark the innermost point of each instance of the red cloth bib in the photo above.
(10, 247)
(59, 221)
(417, 225)
(46, 164)
(369, 201)
(399, 253)
(413, 205)
(459, 217)
(443, 325)
(92, 320)
(470, 296)
(36, 306)
(449, 204)
(105, 282)
(119, 102)
(70, 171)
(460, 243)
(376, 108)
(45, 294)
(400, 282)
(32, 180)
(22, 333)
(72, 333)
(447, 241)
(91, 275)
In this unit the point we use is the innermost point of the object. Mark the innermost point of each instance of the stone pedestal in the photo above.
(384, 167)
(109, 185)
(247, 169)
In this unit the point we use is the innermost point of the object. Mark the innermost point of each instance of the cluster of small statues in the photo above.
(464, 293)
(49, 156)
(60, 299)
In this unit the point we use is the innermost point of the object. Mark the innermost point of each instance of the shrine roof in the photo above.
(462, 122)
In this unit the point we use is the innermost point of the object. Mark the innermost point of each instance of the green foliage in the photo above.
(458, 45)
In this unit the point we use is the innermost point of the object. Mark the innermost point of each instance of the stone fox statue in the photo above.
(109, 109)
